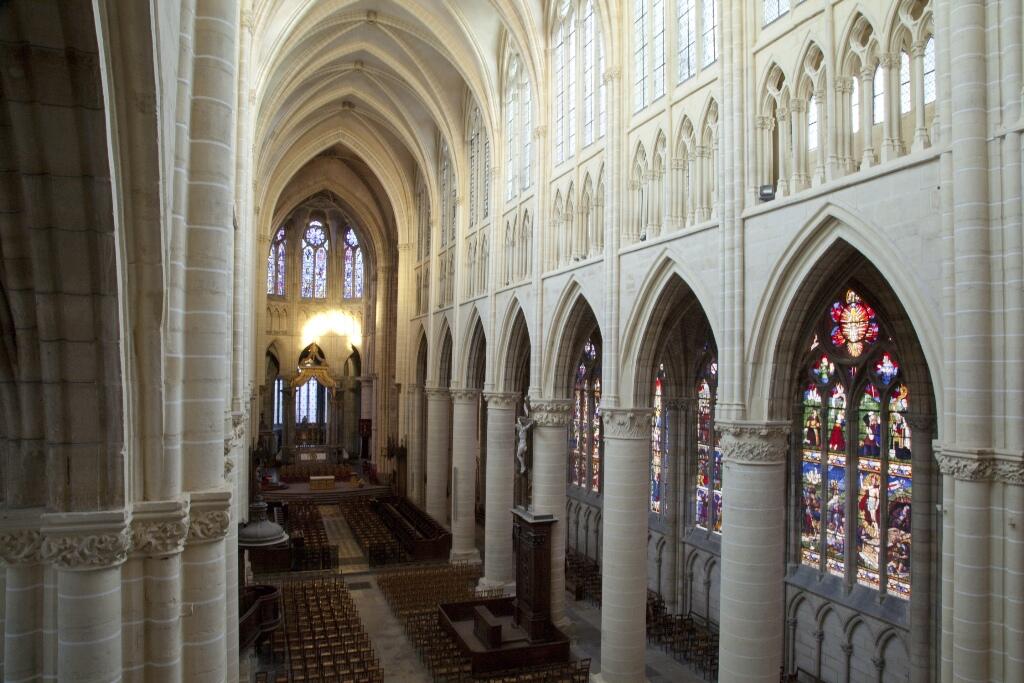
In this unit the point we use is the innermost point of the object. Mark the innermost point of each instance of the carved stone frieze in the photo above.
(465, 395)
(1010, 472)
(209, 516)
(502, 400)
(436, 393)
(84, 551)
(21, 546)
(754, 443)
(627, 423)
(966, 466)
(550, 412)
(159, 527)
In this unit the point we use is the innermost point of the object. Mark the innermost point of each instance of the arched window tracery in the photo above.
(855, 462)
(354, 274)
(586, 446)
(276, 264)
(314, 261)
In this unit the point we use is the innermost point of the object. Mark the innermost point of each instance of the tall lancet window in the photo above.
(314, 261)
(708, 489)
(585, 439)
(306, 402)
(275, 264)
(855, 464)
(659, 443)
(353, 266)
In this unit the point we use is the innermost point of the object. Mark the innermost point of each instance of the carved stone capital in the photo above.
(627, 423)
(21, 546)
(965, 466)
(678, 404)
(888, 60)
(754, 443)
(209, 516)
(1010, 472)
(921, 423)
(503, 400)
(611, 74)
(159, 527)
(465, 395)
(83, 541)
(552, 412)
(436, 393)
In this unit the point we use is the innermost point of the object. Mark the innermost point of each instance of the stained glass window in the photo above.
(639, 54)
(589, 23)
(708, 489)
(314, 261)
(306, 402)
(658, 48)
(353, 258)
(659, 440)
(275, 264)
(585, 443)
(709, 18)
(929, 71)
(279, 401)
(855, 105)
(687, 40)
(878, 96)
(855, 433)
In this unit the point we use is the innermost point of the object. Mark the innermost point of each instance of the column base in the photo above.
(465, 556)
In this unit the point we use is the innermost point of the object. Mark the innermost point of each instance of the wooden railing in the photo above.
(259, 614)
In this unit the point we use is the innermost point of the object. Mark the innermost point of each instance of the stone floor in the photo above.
(400, 661)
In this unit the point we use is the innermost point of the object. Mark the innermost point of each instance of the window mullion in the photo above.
(883, 494)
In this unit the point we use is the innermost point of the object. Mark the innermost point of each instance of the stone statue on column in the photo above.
(523, 426)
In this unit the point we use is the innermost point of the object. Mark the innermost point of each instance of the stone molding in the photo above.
(21, 546)
(209, 516)
(502, 400)
(436, 393)
(465, 395)
(83, 541)
(627, 423)
(160, 527)
(551, 412)
(754, 443)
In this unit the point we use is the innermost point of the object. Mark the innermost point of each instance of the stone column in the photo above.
(204, 596)
(438, 415)
(550, 447)
(627, 435)
(414, 451)
(678, 421)
(502, 469)
(782, 121)
(23, 598)
(1012, 476)
(891, 144)
(87, 549)
(867, 89)
(797, 135)
(924, 557)
(753, 538)
(917, 83)
(465, 450)
(158, 539)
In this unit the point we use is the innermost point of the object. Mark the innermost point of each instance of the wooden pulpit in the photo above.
(531, 539)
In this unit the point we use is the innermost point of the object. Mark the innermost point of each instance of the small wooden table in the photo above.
(321, 483)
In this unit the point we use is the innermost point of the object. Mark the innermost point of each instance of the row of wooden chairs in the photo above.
(374, 538)
(311, 547)
(323, 640)
(419, 589)
(583, 576)
(689, 637)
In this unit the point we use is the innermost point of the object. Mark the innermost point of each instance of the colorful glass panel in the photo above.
(899, 492)
(702, 508)
(657, 442)
(869, 501)
(810, 467)
(855, 325)
(595, 440)
(280, 269)
(271, 268)
(359, 274)
(314, 262)
(349, 268)
(835, 508)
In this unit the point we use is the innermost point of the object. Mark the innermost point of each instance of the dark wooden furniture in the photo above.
(260, 614)
(420, 536)
(531, 540)
(486, 627)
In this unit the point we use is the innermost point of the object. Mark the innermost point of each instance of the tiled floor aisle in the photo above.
(395, 652)
(350, 557)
